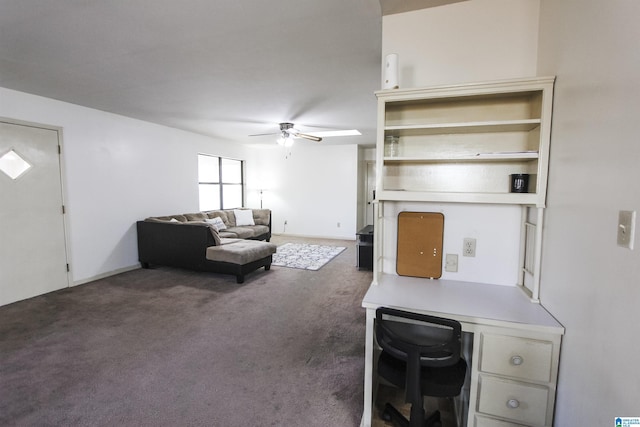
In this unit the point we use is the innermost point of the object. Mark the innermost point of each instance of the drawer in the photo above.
(492, 422)
(517, 357)
(520, 402)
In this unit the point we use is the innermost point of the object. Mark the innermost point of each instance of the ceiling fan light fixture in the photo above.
(288, 132)
(285, 140)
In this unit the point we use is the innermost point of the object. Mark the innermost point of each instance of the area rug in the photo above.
(304, 256)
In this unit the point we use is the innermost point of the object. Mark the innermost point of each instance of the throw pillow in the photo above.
(261, 216)
(214, 233)
(243, 217)
(217, 222)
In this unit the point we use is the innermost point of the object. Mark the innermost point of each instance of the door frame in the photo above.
(63, 192)
(369, 207)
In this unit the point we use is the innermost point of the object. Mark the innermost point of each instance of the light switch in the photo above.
(626, 228)
(451, 263)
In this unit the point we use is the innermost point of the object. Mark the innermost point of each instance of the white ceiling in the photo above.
(227, 69)
(389, 7)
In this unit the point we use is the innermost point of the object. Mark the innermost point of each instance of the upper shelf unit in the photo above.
(462, 143)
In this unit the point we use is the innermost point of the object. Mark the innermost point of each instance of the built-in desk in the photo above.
(516, 346)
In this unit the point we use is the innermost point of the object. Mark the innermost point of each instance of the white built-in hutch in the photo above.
(459, 144)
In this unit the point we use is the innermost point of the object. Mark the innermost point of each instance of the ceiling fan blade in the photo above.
(303, 135)
(265, 134)
(328, 133)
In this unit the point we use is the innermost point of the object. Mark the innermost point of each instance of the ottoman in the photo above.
(239, 257)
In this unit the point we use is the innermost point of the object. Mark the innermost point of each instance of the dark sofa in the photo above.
(182, 241)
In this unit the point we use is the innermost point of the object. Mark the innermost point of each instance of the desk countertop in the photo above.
(471, 303)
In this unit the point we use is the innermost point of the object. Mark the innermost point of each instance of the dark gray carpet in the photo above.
(168, 347)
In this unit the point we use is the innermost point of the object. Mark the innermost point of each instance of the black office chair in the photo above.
(421, 354)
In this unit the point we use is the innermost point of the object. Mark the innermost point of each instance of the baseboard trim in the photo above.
(107, 274)
(307, 236)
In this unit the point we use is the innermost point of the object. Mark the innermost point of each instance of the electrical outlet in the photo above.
(451, 263)
(469, 247)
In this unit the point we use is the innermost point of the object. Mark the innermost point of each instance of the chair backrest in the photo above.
(435, 340)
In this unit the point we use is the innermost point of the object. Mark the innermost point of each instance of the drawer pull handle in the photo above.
(512, 403)
(517, 360)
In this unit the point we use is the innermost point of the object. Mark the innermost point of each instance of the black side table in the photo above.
(364, 246)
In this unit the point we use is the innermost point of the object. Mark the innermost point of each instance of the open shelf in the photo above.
(504, 156)
(453, 197)
(463, 127)
(462, 142)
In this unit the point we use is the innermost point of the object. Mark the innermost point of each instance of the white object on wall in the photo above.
(391, 71)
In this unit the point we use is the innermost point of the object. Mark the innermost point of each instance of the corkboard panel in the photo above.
(420, 237)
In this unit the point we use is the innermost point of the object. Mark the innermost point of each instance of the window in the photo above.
(13, 165)
(220, 182)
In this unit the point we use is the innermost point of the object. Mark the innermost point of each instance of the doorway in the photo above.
(33, 253)
(371, 192)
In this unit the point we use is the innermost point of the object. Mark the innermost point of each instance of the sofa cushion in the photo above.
(198, 216)
(259, 230)
(155, 219)
(243, 217)
(242, 232)
(231, 218)
(214, 233)
(179, 218)
(261, 216)
(226, 234)
(241, 252)
(227, 241)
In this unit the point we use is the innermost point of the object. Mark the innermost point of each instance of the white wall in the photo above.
(470, 41)
(117, 170)
(589, 283)
(314, 189)
(496, 260)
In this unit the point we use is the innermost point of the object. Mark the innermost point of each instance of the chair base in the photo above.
(392, 415)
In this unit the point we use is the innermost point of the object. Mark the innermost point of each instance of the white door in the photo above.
(33, 258)
(371, 190)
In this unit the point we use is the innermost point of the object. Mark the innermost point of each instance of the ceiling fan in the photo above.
(288, 132)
